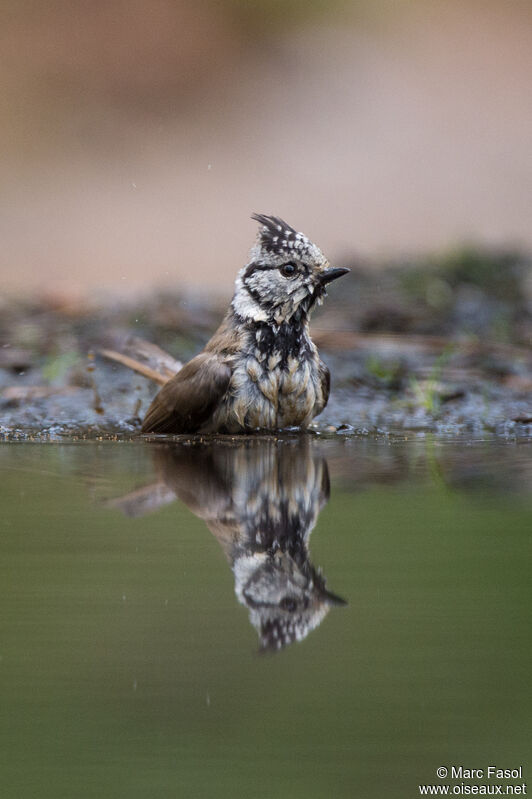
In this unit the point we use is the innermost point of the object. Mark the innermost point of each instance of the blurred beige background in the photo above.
(137, 137)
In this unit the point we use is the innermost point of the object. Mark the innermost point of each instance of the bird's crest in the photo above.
(277, 632)
(278, 237)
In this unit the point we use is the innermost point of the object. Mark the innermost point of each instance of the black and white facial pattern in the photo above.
(281, 281)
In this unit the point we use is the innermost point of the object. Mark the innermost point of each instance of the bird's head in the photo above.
(286, 275)
(286, 599)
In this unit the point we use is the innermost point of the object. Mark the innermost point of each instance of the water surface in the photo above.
(265, 617)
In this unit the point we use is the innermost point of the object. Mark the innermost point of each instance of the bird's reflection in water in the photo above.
(261, 499)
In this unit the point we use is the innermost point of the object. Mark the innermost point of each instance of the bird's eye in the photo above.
(288, 603)
(288, 270)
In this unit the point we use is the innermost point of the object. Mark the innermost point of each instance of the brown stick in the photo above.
(136, 366)
(350, 339)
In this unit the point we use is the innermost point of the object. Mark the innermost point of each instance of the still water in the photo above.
(266, 618)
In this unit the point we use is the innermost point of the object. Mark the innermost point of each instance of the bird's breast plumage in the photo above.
(275, 382)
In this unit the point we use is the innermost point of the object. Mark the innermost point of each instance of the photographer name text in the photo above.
(489, 773)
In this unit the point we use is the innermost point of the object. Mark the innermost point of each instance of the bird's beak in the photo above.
(332, 273)
(334, 599)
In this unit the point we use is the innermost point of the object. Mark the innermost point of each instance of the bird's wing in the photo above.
(187, 400)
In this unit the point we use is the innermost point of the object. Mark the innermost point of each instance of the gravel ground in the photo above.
(440, 345)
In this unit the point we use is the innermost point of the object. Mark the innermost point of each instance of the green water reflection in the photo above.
(129, 667)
